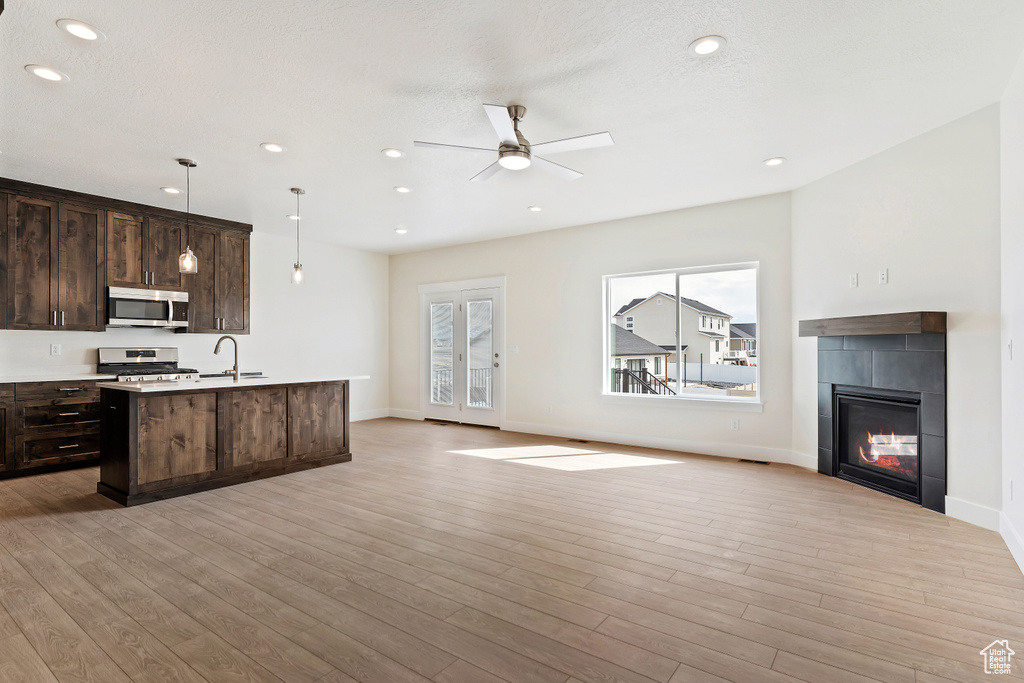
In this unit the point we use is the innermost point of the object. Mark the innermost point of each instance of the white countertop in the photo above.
(219, 383)
(67, 377)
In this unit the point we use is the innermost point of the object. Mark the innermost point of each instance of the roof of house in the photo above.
(691, 303)
(713, 335)
(672, 347)
(626, 343)
(743, 330)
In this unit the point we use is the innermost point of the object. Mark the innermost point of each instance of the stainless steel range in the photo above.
(147, 364)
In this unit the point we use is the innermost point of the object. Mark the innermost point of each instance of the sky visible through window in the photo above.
(730, 291)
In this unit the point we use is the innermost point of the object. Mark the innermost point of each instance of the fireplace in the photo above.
(882, 403)
(877, 440)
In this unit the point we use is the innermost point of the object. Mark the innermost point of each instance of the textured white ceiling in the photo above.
(822, 82)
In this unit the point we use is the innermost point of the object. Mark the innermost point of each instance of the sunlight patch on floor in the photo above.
(522, 452)
(595, 461)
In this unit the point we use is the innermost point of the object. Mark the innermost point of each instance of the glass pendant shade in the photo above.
(297, 274)
(187, 262)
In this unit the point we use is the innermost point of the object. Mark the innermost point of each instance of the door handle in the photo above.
(62, 318)
(70, 445)
(145, 276)
(55, 318)
(66, 414)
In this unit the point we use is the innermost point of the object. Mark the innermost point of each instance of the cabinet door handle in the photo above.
(62, 318)
(145, 277)
(55, 318)
(69, 388)
(66, 414)
(70, 445)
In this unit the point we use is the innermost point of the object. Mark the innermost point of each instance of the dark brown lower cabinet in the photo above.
(6, 428)
(164, 444)
(50, 426)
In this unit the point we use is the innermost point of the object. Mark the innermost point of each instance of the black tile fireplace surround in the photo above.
(898, 383)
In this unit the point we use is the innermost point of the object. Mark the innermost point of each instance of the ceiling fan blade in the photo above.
(487, 172)
(572, 144)
(502, 123)
(461, 148)
(556, 169)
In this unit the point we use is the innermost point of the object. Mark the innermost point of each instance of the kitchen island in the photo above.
(166, 439)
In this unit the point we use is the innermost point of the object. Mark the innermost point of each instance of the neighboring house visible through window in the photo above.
(695, 338)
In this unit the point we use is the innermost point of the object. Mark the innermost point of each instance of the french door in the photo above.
(463, 355)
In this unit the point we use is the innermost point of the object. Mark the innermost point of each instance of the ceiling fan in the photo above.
(516, 152)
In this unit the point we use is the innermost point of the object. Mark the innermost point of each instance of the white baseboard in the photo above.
(405, 414)
(368, 415)
(1013, 538)
(780, 455)
(972, 513)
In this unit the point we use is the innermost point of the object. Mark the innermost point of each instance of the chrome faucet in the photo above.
(216, 350)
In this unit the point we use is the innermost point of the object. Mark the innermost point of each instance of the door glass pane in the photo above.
(442, 366)
(481, 352)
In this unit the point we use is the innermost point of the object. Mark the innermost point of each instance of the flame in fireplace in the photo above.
(891, 452)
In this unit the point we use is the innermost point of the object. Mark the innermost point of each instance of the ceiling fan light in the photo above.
(514, 159)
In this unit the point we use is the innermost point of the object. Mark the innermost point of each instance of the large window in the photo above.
(700, 324)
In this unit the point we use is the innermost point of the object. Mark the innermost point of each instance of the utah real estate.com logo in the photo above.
(997, 657)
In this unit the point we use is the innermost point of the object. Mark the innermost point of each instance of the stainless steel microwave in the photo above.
(127, 307)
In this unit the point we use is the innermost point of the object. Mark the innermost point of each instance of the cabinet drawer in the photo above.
(56, 448)
(6, 393)
(42, 416)
(27, 391)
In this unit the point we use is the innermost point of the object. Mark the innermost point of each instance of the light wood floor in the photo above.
(414, 563)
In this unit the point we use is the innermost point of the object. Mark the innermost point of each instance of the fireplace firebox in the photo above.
(882, 402)
(877, 440)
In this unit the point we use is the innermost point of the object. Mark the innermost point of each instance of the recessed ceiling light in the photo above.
(46, 72)
(401, 231)
(80, 29)
(706, 45)
(171, 190)
(272, 147)
(392, 153)
(534, 208)
(774, 161)
(402, 188)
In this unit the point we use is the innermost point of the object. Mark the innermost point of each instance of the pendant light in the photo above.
(297, 268)
(187, 262)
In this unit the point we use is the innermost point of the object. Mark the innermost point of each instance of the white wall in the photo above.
(335, 323)
(928, 210)
(1012, 139)
(554, 316)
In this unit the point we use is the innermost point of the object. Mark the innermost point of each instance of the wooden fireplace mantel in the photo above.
(918, 322)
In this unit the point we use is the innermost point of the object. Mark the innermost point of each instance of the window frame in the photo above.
(754, 402)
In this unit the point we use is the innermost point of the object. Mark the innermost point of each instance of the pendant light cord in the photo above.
(298, 221)
(188, 206)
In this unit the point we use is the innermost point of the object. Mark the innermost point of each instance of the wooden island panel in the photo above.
(317, 417)
(160, 444)
(177, 436)
(255, 426)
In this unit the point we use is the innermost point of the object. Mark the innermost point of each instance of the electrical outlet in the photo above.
(883, 276)
(735, 425)
(513, 348)
(549, 410)
(54, 349)
(853, 280)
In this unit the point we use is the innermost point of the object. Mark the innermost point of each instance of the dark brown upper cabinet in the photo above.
(219, 291)
(81, 256)
(143, 252)
(60, 249)
(55, 259)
